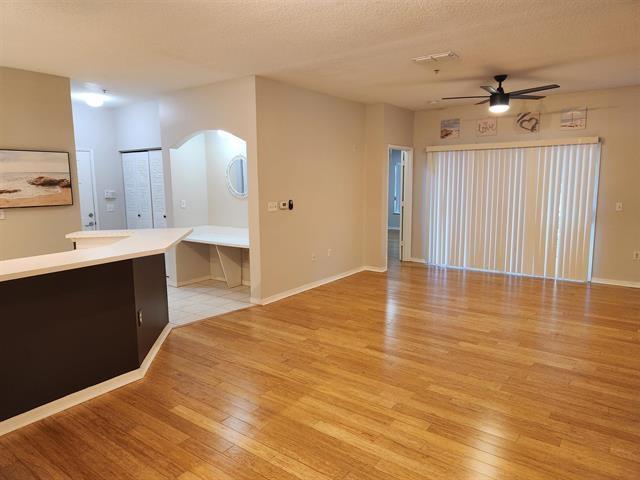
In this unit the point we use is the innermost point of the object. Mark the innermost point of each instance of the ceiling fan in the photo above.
(499, 99)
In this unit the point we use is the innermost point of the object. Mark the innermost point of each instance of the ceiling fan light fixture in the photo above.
(499, 103)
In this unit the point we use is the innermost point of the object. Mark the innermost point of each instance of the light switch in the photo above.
(272, 206)
(618, 206)
(183, 204)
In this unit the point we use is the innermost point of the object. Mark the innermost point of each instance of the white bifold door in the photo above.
(144, 189)
(528, 211)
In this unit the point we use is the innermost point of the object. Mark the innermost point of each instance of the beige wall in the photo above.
(613, 115)
(311, 150)
(229, 106)
(385, 125)
(35, 114)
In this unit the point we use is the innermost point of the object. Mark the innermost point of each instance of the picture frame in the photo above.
(487, 127)
(35, 178)
(527, 122)
(450, 128)
(573, 118)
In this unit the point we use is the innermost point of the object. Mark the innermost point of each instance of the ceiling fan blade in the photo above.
(527, 97)
(489, 89)
(534, 89)
(458, 98)
(484, 101)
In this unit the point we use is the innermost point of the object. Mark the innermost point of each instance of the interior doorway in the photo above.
(399, 192)
(87, 190)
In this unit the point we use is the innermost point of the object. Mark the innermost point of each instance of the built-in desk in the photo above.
(78, 323)
(193, 254)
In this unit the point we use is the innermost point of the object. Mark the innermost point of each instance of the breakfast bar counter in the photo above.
(80, 322)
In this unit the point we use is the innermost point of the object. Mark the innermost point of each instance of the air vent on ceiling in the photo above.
(436, 57)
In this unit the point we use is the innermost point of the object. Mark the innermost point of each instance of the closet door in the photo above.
(137, 189)
(156, 176)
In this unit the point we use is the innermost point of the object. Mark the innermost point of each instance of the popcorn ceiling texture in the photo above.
(360, 49)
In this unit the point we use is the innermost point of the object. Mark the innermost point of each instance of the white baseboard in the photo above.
(414, 259)
(618, 283)
(88, 393)
(317, 283)
(246, 283)
(371, 268)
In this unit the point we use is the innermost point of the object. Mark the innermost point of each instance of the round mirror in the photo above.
(237, 176)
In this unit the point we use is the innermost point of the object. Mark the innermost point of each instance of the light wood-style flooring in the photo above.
(420, 373)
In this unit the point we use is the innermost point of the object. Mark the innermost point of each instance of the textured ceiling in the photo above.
(357, 49)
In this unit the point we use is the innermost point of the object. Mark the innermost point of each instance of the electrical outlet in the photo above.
(110, 207)
(328, 252)
(618, 206)
(636, 255)
(313, 257)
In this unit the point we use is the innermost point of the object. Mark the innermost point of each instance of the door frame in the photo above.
(93, 182)
(406, 210)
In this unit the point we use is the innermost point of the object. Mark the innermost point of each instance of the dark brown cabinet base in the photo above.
(65, 331)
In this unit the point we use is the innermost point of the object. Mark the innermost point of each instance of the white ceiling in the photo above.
(357, 49)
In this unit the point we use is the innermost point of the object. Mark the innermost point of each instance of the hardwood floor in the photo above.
(417, 374)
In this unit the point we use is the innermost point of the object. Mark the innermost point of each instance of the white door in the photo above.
(137, 189)
(400, 182)
(86, 189)
(156, 175)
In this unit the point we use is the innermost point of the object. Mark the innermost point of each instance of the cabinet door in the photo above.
(137, 189)
(156, 176)
(152, 310)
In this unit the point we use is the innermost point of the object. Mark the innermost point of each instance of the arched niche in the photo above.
(209, 180)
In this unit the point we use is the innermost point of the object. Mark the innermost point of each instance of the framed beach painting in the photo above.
(450, 128)
(34, 179)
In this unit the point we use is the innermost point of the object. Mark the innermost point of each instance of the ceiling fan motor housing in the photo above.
(499, 99)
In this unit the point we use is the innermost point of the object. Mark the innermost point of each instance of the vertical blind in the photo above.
(521, 210)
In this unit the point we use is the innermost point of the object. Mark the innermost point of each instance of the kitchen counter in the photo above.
(110, 246)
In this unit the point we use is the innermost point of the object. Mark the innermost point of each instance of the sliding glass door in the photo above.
(525, 210)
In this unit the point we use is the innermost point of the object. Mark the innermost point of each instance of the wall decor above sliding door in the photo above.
(527, 122)
(34, 179)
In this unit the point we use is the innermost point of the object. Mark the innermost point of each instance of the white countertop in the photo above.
(124, 244)
(219, 235)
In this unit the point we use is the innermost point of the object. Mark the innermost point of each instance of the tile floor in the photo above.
(203, 300)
